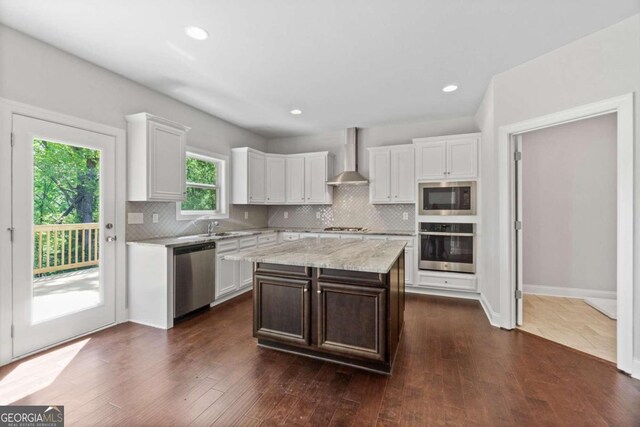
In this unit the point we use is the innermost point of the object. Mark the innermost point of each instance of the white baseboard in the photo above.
(557, 291)
(635, 369)
(442, 293)
(494, 318)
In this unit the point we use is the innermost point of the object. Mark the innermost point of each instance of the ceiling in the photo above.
(342, 62)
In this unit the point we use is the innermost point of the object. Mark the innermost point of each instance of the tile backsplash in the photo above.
(351, 208)
(168, 225)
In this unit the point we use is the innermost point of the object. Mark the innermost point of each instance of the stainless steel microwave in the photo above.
(447, 198)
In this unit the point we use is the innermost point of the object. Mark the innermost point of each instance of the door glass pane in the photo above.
(66, 218)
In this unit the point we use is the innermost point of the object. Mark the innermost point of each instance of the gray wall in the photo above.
(569, 205)
(602, 65)
(38, 74)
(370, 137)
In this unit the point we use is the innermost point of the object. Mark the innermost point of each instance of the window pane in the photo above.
(200, 199)
(201, 172)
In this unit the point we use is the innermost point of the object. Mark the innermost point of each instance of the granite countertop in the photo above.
(173, 242)
(376, 256)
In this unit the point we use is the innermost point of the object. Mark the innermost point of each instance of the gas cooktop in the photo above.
(344, 229)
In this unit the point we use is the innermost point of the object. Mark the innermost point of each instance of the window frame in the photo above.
(221, 186)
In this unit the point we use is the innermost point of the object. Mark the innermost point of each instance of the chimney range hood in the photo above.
(350, 176)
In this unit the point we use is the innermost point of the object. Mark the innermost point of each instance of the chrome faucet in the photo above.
(211, 226)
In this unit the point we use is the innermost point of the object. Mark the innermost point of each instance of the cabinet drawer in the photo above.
(444, 282)
(408, 239)
(329, 236)
(226, 246)
(248, 242)
(290, 236)
(375, 237)
(267, 239)
(309, 235)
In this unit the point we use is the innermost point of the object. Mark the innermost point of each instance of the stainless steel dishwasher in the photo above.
(194, 277)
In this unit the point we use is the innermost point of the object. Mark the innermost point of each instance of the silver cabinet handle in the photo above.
(319, 291)
(305, 290)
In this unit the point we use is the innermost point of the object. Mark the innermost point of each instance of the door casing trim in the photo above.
(7, 109)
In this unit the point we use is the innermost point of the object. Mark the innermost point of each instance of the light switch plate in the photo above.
(405, 216)
(286, 214)
(155, 218)
(135, 218)
(246, 215)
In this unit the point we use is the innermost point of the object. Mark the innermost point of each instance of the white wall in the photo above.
(38, 74)
(569, 206)
(602, 65)
(370, 137)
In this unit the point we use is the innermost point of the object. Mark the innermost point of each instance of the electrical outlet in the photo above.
(246, 215)
(405, 216)
(135, 218)
(286, 214)
(318, 215)
(155, 218)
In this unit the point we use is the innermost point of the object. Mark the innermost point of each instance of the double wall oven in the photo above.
(447, 247)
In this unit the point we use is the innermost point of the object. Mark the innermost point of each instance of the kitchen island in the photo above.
(335, 300)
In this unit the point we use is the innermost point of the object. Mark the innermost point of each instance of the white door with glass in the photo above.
(63, 207)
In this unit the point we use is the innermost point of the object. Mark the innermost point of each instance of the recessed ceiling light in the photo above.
(450, 88)
(196, 33)
(296, 112)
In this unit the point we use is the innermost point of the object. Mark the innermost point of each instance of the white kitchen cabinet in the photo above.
(294, 167)
(156, 156)
(391, 174)
(447, 281)
(380, 176)
(227, 275)
(275, 178)
(449, 157)
(317, 170)
(286, 236)
(410, 261)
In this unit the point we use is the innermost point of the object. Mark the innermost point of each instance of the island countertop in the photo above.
(375, 256)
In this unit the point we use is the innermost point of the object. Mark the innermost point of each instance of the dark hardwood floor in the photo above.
(452, 368)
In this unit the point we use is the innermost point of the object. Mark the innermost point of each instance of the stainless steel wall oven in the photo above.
(447, 247)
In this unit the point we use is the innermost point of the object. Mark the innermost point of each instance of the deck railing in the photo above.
(61, 247)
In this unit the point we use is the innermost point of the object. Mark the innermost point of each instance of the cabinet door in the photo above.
(281, 309)
(167, 176)
(256, 178)
(431, 160)
(379, 176)
(352, 320)
(275, 179)
(409, 265)
(462, 158)
(315, 179)
(295, 180)
(246, 273)
(403, 184)
(226, 276)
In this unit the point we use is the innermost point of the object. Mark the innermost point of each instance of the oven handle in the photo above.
(435, 233)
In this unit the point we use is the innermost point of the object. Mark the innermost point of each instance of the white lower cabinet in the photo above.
(409, 265)
(458, 282)
(285, 237)
(232, 276)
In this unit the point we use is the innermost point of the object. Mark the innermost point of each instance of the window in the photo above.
(206, 186)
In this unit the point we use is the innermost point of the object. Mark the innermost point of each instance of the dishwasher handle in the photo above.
(194, 248)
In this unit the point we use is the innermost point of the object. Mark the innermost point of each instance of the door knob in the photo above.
(110, 239)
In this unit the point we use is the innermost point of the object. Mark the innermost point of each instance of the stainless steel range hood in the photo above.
(350, 176)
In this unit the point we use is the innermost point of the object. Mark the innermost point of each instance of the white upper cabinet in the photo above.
(156, 150)
(391, 174)
(256, 171)
(448, 157)
(380, 176)
(294, 180)
(275, 181)
(317, 168)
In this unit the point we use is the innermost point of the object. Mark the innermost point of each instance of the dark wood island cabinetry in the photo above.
(345, 316)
